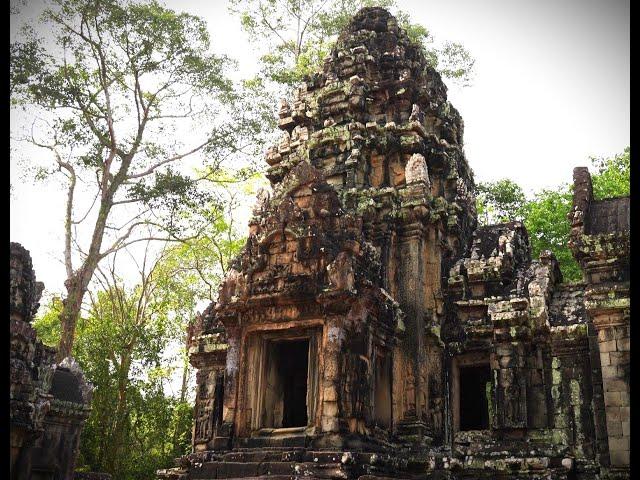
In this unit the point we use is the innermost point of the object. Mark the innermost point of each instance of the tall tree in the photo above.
(120, 342)
(296, 35)
(127, 341)
(113, 89)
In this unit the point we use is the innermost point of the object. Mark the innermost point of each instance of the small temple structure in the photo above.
(370, 329)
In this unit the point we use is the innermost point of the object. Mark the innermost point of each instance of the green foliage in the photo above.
(122, 93)
(48, 322)
(545, 215)
(499, 201)
(122, 343)
(27, 61)
(134, 427)
(298, 35)
(112, 92)
(612, 177)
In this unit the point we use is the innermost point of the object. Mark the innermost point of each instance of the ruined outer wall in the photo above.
(49, 402)
(600, 243)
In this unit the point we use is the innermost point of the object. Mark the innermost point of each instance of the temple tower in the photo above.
(369, 329)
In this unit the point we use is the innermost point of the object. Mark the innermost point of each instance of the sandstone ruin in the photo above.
(369, 329)
(49, 401)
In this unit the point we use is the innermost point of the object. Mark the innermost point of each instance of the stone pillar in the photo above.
(329, 380)
(417, 254)
(571, 390)
(602, 250)
(612, 325)
(231, 374)
(508, 362)
(411, 290)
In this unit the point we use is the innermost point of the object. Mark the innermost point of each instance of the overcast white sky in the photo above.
(551, 88)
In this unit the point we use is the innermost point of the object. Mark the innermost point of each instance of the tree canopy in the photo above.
(129, 341)
(545, 213)
(296, 35)
(112, 91)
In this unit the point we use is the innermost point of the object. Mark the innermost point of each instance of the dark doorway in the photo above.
(218, 400)
(285, 382)
(294, 361)
(474, 409)
(382, 392)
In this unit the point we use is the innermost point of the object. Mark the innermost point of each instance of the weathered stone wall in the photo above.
(600, 243)
(49, 402)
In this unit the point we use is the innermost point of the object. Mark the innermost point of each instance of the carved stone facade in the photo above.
(369, 329)
(49, 402)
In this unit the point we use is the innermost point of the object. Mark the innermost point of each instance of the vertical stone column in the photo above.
(602, 250)
(411, 299)
(613, 342)
(597, 391)
(231, 374)
(416, 257)
(508, 362)
(572, 392)
(207, 353)
(329, 378)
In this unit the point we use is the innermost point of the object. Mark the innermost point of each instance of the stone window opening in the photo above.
(474, 408)
(471, 375)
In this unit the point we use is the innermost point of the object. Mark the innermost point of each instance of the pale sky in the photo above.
(551, 89)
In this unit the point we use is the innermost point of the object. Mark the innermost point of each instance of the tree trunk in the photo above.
(183, 394)
(185, 370)
(78, 283)
(76, 288)
(117, 437)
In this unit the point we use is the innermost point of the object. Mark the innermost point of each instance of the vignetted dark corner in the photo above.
(369, 329)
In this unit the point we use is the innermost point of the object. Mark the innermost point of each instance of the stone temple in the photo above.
(370, 329)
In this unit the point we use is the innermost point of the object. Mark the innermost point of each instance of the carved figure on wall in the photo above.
(416, 170)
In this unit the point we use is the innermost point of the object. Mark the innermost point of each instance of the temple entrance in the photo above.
(286, 379)
(474, 408)
(470, 373)
(382, 392)
(294, 357)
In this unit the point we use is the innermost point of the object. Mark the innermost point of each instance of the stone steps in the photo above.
(278, 463)
(297, 455)
(269, 442)
(225, 469)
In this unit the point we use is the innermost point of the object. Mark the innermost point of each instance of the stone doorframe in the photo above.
(256, 344)
(470, 359)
